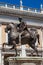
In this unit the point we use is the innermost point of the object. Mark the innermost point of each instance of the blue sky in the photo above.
(29, 3)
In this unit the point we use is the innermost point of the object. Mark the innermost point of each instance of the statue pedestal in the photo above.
(23, 51)
(26, 60)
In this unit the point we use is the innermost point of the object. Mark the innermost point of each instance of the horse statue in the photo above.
(27, 36)
(13, 36)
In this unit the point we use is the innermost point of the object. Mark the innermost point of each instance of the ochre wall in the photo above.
(3, 33)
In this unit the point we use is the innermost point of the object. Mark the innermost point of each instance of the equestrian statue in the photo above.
(27, 36)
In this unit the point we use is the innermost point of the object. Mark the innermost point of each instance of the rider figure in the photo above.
(22, 26)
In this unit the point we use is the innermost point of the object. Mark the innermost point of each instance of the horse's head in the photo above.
(8, 27)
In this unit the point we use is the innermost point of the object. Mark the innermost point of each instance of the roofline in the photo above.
(18, 12)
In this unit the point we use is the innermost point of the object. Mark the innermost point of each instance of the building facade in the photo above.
(9, 13)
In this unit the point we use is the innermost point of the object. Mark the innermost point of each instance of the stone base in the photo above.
(25, 60)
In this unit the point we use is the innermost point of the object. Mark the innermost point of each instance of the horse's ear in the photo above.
(20, 19)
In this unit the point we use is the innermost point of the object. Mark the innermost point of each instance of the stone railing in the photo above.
(20, 8)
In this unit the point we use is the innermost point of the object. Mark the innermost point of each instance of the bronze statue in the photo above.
(27, 36)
